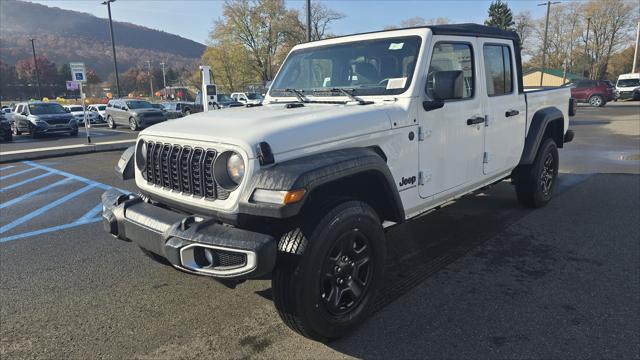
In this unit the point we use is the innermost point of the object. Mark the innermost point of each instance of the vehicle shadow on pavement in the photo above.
(488, 302)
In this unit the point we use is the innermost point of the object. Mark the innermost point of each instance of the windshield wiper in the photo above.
(349, 93)
(298, 94)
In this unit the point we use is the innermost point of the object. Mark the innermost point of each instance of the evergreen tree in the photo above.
(500, 16)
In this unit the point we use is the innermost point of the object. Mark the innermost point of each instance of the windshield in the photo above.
(102, 107)
(43, 109)
(254, 96)
(373, 67)
(224, 98)
(169, 106)
(139, 104)
(75, 108)
(628, 82)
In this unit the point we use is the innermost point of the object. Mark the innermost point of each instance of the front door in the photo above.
(452, 136)
(506, 107)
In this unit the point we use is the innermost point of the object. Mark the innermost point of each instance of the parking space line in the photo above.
(7, 167)
(16, 173)
(91, 214)
(45, 208)
(48, 230)
(72, 176)
(23, 182)
(35, 192)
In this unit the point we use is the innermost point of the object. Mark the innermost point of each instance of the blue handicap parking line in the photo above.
(35, 192)
(44, 209)
(24, 182)
(7, 167)
(16, 173)
(90, 217)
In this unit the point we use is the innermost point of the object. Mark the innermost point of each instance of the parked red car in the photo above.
(595, 92)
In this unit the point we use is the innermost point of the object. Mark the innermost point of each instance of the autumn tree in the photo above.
(418, 21)
(26, 71)
(523, 26)
(500, 15)
(266, 28)
(321, 18)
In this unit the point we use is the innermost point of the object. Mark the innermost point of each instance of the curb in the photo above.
(32, 154)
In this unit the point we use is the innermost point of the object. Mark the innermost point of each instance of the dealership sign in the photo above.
(72, 86)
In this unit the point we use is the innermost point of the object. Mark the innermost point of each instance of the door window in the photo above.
(452, 57)
(497, 64)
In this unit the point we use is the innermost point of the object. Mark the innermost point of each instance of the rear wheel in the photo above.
(328, 273)
(596, 101)
(111, 123)
(535, 183)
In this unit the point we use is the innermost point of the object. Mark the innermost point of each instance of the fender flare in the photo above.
(312, 171)
(541, 119)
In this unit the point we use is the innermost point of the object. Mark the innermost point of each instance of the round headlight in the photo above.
(141, 155)
(235, 168)
(228, 170)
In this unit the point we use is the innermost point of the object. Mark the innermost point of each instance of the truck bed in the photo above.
(544, 98)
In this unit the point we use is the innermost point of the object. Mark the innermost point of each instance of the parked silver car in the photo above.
(39, 117)
(137, 114)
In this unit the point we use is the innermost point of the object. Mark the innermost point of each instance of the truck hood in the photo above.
(284, 129)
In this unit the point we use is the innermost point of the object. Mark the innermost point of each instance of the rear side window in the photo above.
(498, 69)
(452, 57)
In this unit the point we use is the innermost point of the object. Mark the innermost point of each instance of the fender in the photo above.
(541, 119)
(312, 171)
(124, 167)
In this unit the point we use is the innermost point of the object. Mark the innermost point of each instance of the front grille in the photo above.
(185, 169)
(229, 259)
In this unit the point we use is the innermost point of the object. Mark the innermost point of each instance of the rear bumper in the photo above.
(190, 243)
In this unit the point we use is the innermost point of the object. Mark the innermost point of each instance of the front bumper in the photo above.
(190, 243)
(629, 95)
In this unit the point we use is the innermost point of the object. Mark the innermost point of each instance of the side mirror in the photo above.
(448, 85)
(67, 110)
(24, 113)
(429, 105)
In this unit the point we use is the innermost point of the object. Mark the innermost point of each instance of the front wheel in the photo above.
(110, 123)
(14, 128)
(535, 183)
(133, 124)
(328, 273)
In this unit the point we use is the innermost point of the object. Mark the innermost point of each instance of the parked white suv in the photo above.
(99, 109)
(78, 113)
(356, 134)
(628, 87)
(248, 98)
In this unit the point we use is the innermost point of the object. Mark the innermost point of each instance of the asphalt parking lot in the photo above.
(99, 133)
(480, 278)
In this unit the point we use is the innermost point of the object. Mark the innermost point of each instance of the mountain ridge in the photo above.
(67, 35)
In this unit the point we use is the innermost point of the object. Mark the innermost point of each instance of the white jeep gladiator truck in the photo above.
(357, 134)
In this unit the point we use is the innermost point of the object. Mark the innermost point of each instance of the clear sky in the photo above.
(193, 19)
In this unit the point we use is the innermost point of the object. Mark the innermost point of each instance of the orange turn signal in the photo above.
(294, 196)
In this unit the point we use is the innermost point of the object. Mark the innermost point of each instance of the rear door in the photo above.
(505, 123)
(452, 137)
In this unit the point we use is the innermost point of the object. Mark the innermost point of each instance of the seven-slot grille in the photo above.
(185, 169)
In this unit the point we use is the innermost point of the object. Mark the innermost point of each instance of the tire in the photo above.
(15, 130)
(313, 272)
(596, 101)
(133, 124)
(187, 112)
(74, 132)
(535, 183)
(34, 134)
(110, 123)
(153, 256)
(7, 136)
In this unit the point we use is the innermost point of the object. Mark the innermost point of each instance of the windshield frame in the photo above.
(46, 105)
(129, 102)
(637, 80)
(358, 91)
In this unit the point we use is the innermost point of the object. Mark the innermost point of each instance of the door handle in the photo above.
(475, 120)
(511, 113)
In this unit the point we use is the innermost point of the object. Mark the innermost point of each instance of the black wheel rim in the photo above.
(346, 273)
(548, 174)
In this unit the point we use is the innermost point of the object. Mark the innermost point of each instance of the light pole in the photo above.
(546, 29)
(150, 79)
(635, 53)
(586, 46)
(113, 46)
(308, 20)
(35, 64)
(164, 78)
